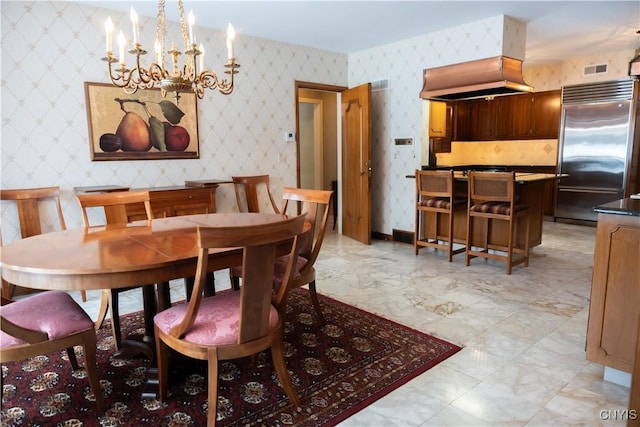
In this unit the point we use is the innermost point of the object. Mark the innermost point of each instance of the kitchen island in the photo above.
(530, 191)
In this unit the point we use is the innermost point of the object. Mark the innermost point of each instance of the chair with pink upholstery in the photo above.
(232, 325)
(315, 203)
(60, 324)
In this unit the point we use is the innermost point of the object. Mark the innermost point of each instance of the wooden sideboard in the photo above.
(614, 309)
(195, 197)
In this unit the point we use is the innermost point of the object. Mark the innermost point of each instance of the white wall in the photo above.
(49, 49)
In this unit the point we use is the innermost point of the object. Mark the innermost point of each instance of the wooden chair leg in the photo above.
(83, 296)
(90, 366)
(277, 354)
(115, 318)
(316, 303)
(71, 354)
(102, 311)
(162, 359)
(212, 377)
(235, 282)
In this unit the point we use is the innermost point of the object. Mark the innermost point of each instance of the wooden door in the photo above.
(356, 163)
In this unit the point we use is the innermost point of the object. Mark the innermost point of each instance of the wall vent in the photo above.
(595, 69)
(379, 85)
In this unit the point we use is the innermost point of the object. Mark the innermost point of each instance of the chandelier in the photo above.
(191, 77)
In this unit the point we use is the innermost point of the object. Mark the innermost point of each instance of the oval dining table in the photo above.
(123, 255)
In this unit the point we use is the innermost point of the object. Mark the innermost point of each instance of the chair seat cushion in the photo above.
(498, 208)
(217, 322)
(440, 202)
(53, 312)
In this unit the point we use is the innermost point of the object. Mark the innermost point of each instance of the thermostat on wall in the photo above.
(289, 137)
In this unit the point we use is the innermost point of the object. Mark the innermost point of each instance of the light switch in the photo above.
(403, 141)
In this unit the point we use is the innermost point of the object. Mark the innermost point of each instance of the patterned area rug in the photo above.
(355, 359)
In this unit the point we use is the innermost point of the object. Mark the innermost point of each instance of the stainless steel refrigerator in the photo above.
(594, 147)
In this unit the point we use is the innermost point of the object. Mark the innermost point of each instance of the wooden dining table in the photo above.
(123, 255)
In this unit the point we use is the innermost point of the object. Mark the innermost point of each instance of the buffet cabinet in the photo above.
(614, 311)
(523, 116)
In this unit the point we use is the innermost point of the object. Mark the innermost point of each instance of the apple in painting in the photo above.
(176, 138)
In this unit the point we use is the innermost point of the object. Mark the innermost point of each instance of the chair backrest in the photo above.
(259, 243)
(434, 183)
(492, 186)
(114, 204)
(28, 203)
(248, 185)
(315, 203)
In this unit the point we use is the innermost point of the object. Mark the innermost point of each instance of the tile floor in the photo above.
(523, 361)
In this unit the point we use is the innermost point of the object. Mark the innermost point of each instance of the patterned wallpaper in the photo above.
(49, 49)
(44, 124)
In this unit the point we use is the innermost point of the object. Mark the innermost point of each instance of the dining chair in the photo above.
(233, 324)
(247, 189)
(114, 205)
(315, 203)
(60, 324)
(435, 197)
(492, 197)
(29, 201)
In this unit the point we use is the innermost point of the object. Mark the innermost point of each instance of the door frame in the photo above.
(318, 142)
(325, 88)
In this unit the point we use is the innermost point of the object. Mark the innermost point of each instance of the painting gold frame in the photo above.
(140, 126)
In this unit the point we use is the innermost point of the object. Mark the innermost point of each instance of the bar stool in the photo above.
(492, 197)
(435, 197)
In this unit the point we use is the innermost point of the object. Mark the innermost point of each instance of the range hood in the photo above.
(499, 75)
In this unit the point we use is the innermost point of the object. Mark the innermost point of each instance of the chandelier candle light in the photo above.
(190, 78)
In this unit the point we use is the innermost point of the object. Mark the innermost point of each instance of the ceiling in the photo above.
(555, 29)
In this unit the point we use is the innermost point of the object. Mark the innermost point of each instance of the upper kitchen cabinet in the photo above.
(545, 114)
(483, 115)
(437, 119)
(525, 116)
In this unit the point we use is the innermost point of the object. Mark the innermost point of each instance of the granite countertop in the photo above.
(628, 206)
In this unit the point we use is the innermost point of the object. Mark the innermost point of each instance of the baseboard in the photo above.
(401, 236)
(381, 236)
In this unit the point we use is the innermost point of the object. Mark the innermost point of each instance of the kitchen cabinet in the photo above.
(614, 309)
(545, 114)
(482, 125)
(461, 129)
(437, 119)
(440, 127)
(523, 116)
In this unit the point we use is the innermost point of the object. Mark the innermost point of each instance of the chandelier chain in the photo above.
(161, 29)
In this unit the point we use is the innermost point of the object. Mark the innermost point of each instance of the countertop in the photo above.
(628, 206)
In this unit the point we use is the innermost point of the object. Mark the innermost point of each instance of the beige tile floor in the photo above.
(523, 361)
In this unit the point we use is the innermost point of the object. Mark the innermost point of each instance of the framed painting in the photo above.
(140, 126)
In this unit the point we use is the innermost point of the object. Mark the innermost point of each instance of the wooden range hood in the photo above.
(499, 75)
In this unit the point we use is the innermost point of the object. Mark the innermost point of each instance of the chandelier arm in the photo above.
(174, 79)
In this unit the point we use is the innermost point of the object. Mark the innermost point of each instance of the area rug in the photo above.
(337, 369)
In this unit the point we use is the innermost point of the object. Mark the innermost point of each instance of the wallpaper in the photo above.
(49, 49)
